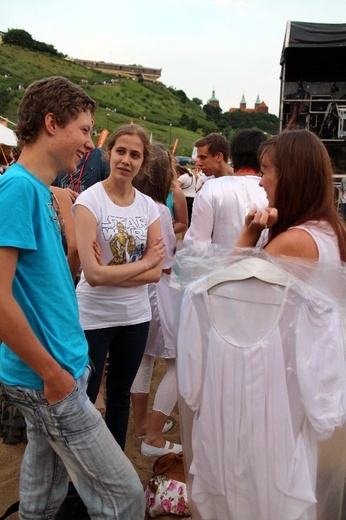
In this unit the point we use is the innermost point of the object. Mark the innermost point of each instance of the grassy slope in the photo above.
(132, 100)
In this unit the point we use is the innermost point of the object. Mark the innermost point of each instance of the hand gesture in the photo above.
(259, 220)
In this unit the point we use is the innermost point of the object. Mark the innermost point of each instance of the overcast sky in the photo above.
(232, 46)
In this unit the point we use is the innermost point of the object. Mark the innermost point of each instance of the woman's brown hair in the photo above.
(156, 180)
(304, 188)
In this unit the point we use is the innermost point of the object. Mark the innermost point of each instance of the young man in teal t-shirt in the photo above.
(43, 358)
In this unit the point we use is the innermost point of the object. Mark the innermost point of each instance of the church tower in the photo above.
(213, 101)
(257, 103)
(242, 105)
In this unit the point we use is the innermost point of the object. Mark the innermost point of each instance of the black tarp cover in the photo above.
(314, 51)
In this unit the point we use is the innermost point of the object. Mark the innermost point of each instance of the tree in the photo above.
(23, 39)
(188, 122)
(198, 101)
(184, 120)
(18, 37)
(181, 95)
(212, 113)
(193, 124)
(242, 120)
(47, 48)
(209, 128)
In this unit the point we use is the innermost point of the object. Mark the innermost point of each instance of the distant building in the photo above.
(213, 101)
(260, 106)
(129, 71)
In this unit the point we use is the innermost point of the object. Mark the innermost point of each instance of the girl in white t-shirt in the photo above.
(112, 293)
(162, 338)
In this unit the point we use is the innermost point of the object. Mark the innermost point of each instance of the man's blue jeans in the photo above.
(71, 438)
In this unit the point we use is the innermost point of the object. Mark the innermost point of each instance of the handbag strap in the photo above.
(12, 509)
(189, 186)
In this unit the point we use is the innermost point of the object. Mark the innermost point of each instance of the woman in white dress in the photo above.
(161, 338)
(249, 385)
(303, 222)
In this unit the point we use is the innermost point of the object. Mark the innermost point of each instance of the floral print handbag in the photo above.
(166, 490)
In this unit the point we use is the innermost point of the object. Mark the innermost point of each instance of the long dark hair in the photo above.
(304, 189)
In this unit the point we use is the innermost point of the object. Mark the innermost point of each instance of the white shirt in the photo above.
(162, 340)
(220, 208)
(262, 393)
(188, 184)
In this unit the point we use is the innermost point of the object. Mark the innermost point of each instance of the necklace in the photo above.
(246, 171)
(125, 201)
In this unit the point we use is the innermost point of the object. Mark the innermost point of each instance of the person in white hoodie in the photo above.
(161, 342)
(221, 205)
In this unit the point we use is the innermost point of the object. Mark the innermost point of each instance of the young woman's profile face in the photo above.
(269, 178)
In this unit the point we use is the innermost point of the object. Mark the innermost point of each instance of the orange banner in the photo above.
(175, 146)
(102, 137)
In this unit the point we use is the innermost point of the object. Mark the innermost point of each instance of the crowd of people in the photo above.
(87, 250)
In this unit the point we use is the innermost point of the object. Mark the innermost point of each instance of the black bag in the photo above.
(72, 508)
(12, 509)
(12, 422)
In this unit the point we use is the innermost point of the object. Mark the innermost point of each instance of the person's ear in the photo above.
(50, 123)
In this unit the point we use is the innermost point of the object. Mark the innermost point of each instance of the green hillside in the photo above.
(152, 105)
(166, 113)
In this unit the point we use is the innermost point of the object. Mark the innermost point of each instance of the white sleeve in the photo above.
(168, 235)
(321, 367)
(202, 220)
(153, 211)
